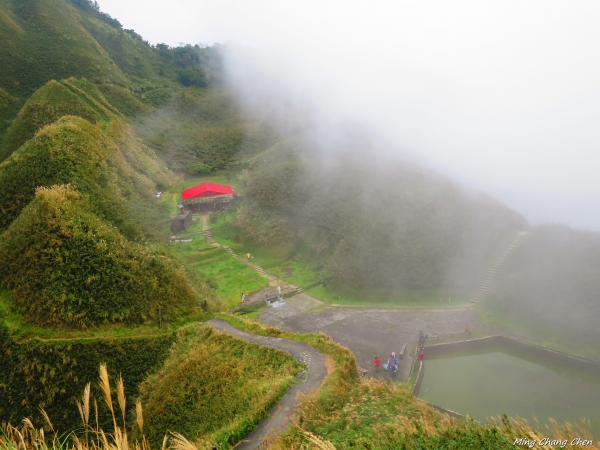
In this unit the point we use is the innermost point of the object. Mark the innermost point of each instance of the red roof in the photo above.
(206, 190)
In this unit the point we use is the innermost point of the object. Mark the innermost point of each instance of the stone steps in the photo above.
(492, 273)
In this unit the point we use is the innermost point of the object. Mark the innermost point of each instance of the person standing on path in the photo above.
(279, 291)
(243, 298)
(248, 255)
(377, 363)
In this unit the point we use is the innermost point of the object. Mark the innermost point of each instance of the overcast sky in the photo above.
(504, 96)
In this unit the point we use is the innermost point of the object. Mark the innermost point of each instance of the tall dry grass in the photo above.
(90, 436)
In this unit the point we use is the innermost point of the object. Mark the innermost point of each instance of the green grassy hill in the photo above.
(65, 266)
(48, 104)
(44, 40)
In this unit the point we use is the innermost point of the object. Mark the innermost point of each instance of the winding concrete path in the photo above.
(280, 415)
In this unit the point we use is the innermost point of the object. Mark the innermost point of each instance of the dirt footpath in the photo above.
(281, 415)
(368, 331)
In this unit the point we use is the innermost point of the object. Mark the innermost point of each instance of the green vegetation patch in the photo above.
(214, 387)
(386, 416)
(124, 101)
(201, 130)
(9, 107)
(66, 266)
(228, 276)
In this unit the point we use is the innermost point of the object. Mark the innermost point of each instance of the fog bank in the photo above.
(504, 97)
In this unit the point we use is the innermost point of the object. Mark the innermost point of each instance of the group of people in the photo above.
(391, 365)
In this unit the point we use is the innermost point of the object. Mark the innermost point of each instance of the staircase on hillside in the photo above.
(495, 269)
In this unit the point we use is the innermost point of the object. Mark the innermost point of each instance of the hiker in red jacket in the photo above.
(377, 363)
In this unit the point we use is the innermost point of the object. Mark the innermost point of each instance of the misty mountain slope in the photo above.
(553, 280)
(66, 266)
(375, 223)
(202, 130)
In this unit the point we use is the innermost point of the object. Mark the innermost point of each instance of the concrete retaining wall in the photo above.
(510, 342)
(417, 385)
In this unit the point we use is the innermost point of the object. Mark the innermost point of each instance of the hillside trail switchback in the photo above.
(281, 415)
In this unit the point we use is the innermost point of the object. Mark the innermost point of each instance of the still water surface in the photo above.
(487, 383)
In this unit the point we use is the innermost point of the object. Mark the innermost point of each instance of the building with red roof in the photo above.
(207, 195)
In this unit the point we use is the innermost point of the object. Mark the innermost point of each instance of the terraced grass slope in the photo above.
(66, 266)
(53, 374)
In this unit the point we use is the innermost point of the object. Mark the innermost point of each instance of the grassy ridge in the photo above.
(70, 151)
(47, 105)
(65, 266)
(214, 387)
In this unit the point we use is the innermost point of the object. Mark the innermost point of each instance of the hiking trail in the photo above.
(281, 415)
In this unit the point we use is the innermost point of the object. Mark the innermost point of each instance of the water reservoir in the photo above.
(500, 378)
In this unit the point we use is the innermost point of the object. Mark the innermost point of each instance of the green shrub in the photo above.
(65, 266)
(192, 76)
